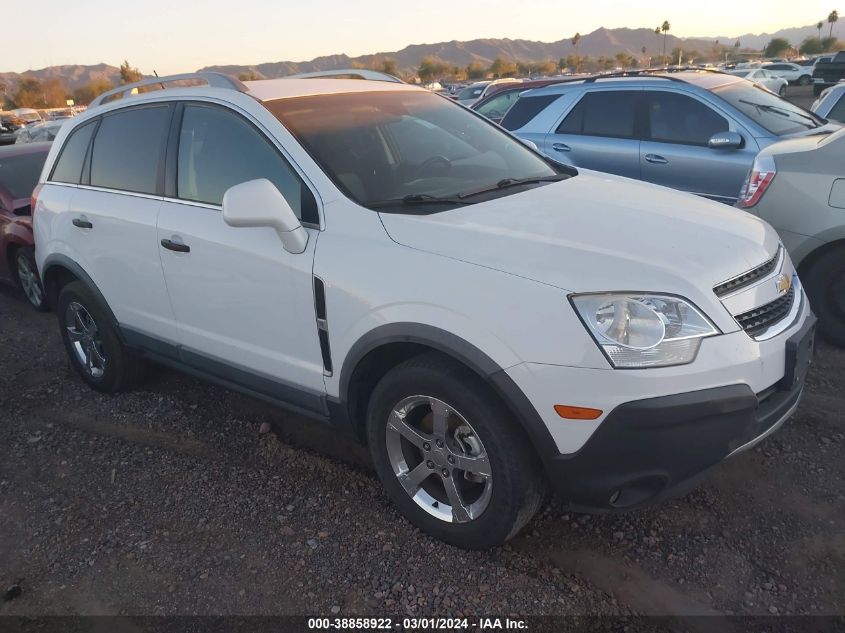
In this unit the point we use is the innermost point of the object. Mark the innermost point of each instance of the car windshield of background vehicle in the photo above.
(771, 112)
(397, 149)
(19, 174)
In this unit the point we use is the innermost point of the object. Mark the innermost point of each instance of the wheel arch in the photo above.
(60, 270)
(381, 349)
(813, 256)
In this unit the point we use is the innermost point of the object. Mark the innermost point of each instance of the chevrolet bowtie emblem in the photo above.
(784, 283)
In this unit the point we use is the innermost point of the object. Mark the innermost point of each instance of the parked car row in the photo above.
(489, 318)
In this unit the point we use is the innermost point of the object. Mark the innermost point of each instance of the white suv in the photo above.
(375, 256)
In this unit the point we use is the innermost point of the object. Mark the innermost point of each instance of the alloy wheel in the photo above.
(439, 459)
(85, 339)
(30, 283)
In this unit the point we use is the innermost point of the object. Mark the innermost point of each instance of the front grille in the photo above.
(747, 278)
(759, 319)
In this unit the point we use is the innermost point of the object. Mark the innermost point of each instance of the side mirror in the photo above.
(725, 140)
(258, 203)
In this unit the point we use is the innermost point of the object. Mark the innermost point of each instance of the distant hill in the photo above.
(74, 76)
(600, 43)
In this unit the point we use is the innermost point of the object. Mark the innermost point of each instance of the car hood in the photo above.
(597, 232)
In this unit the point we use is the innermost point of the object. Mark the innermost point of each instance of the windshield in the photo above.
(19, 174)
(471, 92)
(777, 115)
(382, 147)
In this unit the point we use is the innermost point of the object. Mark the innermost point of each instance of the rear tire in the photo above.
(26, 274)
(92, 342)
(450, 455)
(805, 80)
(824, 283)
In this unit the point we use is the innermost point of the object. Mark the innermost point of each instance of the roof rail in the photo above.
(350, 73)
(214, 80)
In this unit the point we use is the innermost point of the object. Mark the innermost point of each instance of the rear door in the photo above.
(601, 132)
(113, 215)
(244, 305)
(675, 152)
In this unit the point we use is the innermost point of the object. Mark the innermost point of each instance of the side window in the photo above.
(218, 149)
(676, 118)
(610, 113)
(68, 167)
(837, 112)
(127, 151)
(498, 105)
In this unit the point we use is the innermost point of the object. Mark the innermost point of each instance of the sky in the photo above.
(171, 36)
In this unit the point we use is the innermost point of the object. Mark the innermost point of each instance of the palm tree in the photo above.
(665, 28)
(833, 17)
(819, 27)
(575, 39)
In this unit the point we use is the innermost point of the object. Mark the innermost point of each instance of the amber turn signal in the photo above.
(577, 413)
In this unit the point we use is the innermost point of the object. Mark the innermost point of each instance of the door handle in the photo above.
(175, 246)
(561, 147)
(82, 224)
(656, 159)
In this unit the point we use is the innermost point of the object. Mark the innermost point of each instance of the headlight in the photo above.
(643, 330)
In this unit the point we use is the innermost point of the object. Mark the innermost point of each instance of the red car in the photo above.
(20, 167)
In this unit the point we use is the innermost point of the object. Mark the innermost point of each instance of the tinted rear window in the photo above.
(610, 113)
(19, 174)
(525, 109)
(69, 166)
(128, 149)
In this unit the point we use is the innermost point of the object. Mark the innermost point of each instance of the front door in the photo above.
(244, 305)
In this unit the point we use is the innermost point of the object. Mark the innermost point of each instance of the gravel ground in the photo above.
(169, 500)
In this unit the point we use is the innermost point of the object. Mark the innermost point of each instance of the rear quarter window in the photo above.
(525, 109)
(68, 167)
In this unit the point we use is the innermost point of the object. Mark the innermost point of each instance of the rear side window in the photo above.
(68, 167)
(677, 118)
(218, 149)
(128, 149)
(610, 113)
(837, 112)
(497, 106)
(19, 174)
(525, 109)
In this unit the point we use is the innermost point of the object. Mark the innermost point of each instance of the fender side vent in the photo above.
(322, 324)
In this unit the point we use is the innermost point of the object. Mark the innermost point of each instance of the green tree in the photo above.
(811, 46)
(249, 75)
(28, 94)
(776, 47)
(128, 74)
(576, 39)
(665, 30)
(832, 18)
(476, 70)
(85, 94)
(502, 67)
(819, 26)
(55, 93)
(389, 66)
(828, 44)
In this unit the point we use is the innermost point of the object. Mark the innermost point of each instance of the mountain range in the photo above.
(601, 42)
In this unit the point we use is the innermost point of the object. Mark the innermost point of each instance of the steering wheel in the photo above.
(434, 166)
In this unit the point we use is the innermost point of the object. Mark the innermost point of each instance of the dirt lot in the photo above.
(167, 500)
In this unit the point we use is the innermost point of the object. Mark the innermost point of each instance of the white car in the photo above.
(377, 257)
(477, 91)
(763, 78)
(831, 104)
(793, 73)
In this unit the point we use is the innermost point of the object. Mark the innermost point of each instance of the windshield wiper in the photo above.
(513, 182)
(781, 111)
(415, 199)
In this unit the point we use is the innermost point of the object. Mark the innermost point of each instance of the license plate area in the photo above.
(799, 355)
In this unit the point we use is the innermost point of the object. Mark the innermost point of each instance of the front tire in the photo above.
(450, 455)
(29, 280)
(824, 283)
(92, 342)
(782, 91)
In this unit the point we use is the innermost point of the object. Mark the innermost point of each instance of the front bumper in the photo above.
(649, 450)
